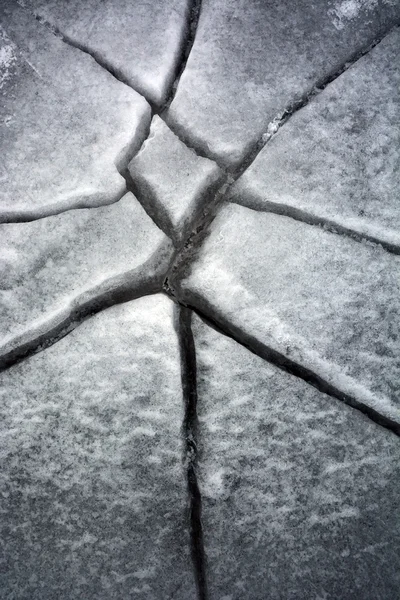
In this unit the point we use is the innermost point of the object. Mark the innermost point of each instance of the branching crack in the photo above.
(202, 224)
(190, 431)
(221, 324)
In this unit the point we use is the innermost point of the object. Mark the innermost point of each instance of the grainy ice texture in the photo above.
(300, 493)
(172, 179)
(339, 157)
(323, 300)
(65, 123)
(141, 40)
(54, 268)
(94, 501)
(252, 60)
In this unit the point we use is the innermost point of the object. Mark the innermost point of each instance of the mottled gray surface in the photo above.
(140, 40)
(327, 302)
(99, 438)
(65, 123)
(300, 493)
(339, 157)
(52, 268)
(251, 60)
(93, 501)
(172, 180)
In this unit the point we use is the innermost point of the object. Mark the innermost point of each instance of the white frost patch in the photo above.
(7, 58)
(345, 513)
(214, 484)
(350, 9)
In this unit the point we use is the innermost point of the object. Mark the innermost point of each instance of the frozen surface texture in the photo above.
(140, 41)
(65, 123)
(172, 180)
(145, 455)
(252, 60)
(339, 157)
(323, 300)
(93, 500)
(300, 493)
(56, 269)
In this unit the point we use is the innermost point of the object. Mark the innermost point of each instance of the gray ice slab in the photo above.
(94, 501)
(325, 301)
(174, 183)
(142, 41)
(339, 157)
(56, 268)
(66, 124)
(252, 60)
(300, 493)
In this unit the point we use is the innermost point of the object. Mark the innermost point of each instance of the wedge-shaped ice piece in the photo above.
(338, 159)
(299, 491)
(66, 123)
(174, 183)
(141, 41)
(94, 501)
(324, 301)
(252, 60)
(60, 268)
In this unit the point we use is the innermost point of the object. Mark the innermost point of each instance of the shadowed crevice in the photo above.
(204, 310)
(290, 110)
(119, 289)
(190, 434)
(101, 61)
(193, 21)
(303, 216)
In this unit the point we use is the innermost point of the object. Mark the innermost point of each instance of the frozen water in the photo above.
(252, 60)
(172, 180)
(299, 492)
(100, 443)
(55, 268)
(141, 41)
(65, 123)
(93, 488)
(339, 157)
(323, 300)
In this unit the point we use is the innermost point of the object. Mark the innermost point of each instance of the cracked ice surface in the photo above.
(300, 493)
(65, 123)
(55, 268)
(144, 453)
(93, 490)
(141, 41)
(252, 60)
(339, 157)
(172, 180)
(323, 300)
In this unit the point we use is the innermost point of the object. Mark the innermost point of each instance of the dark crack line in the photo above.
(303, 216)
(103, 63)
(190, 433)
(125, 292)
(223, 194)
(290, 110)
(194, 15)
(121, 162)
(282, 362)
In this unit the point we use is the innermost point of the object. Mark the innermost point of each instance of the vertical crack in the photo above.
(190, 430)
(194, 14)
